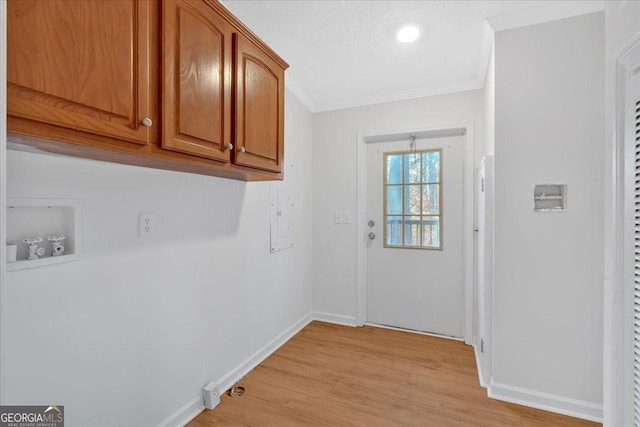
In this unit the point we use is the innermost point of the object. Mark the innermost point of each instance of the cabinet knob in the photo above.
(229, 146)
(243, 150)
(147, 122)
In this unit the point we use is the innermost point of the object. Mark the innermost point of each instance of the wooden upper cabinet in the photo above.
(173, 84)
(259, 108)
(81, 65)
(196, 97)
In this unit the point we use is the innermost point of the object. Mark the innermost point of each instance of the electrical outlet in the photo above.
(146, 224)
(339, 217)
(211, 396)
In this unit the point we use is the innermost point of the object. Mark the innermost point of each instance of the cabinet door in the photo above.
(259, 108)
(81, 65)
(196, 80)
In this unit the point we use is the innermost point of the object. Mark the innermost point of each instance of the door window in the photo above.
(413, 199)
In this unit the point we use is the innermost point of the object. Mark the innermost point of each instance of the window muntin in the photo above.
(413, 199)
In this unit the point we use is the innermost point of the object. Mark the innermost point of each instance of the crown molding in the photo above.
(555, 11)
(400, 95)
(488, 37)
(299, 93)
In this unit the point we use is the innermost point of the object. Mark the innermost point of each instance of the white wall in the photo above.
(483, 285)
(334, 183)
(134, 330)
(489, 94)
(622, 28)
(548, 266)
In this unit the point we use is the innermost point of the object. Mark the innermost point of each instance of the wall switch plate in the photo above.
(339, 217)
(146, 224)
(347, 217)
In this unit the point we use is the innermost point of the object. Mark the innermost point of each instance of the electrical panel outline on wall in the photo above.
(282, 205)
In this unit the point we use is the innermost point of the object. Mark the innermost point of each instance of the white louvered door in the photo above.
(633, 137)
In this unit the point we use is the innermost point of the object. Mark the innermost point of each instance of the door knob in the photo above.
(371, 223)
(372, 235)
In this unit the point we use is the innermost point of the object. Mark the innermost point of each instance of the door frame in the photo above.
(362, 139)
(619, 253)
(483, 339)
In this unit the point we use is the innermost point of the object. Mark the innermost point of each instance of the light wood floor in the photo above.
(329, 375)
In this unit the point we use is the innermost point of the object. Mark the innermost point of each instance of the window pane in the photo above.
(394, 200)
(394, 169)
(412, 167)
(394, 230)
(412, 199)
(431, 166)
(431, 199)
(431, 232)
(412, 231)
(413, 205)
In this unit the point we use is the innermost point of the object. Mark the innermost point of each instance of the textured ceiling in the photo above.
(344, 53)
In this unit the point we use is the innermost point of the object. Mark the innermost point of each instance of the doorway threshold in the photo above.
(413, 331)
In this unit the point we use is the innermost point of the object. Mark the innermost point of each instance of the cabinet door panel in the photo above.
(82, 65)
(259, 108)
(197, 89)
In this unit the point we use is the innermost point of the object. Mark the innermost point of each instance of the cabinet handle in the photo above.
(243, 150)
(147, 122)
(229, 146)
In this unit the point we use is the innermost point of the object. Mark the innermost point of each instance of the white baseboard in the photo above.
(547, 402)
(196, 405)
(520, 396)
(338, 319)
(185, 414)
(483, 383)
(227, 381)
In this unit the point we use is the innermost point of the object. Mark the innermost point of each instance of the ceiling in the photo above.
(345, 54)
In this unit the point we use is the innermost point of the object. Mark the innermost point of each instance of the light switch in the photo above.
(347, 217)
(339, 217)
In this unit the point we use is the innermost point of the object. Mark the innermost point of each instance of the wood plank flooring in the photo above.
(330, 375)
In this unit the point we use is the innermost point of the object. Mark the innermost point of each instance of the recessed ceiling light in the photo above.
(407, 34)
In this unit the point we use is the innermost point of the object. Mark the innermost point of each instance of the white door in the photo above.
(480, 258)
(632, 231)
(414, 254)
(484, 265)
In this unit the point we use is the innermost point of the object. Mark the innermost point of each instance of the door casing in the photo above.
(619, 252)
(427, 131)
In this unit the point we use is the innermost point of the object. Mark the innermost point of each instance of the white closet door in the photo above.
(633, 137)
